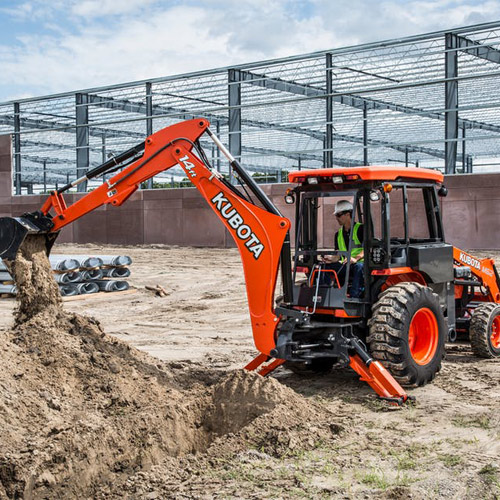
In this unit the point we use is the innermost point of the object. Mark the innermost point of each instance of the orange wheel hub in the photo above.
(423, 336)
(495, 332)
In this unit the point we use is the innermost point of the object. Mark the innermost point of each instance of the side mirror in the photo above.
(443, 191)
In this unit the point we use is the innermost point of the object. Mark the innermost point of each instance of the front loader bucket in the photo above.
(13, 231)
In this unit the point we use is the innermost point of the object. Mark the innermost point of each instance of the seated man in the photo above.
(343, 212)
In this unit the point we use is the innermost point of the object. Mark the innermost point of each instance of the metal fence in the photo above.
(430, 100)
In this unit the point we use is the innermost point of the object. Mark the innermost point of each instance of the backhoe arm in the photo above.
(258, 233)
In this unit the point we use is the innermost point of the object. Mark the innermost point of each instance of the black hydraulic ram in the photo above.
(286, 257)
(115, 161)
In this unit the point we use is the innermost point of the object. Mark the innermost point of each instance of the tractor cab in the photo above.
(397, 214)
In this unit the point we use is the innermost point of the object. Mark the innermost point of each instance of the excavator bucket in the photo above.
(13, 232)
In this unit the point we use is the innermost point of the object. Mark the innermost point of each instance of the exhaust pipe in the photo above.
(13, 231)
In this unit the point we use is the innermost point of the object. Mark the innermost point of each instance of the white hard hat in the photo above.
(342, 206)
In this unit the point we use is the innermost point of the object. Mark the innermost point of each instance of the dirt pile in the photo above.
(82, 411)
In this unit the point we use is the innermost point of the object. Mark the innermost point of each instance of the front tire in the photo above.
(484, 331)
(408, 332)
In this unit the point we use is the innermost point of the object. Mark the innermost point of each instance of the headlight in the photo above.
(377, 254)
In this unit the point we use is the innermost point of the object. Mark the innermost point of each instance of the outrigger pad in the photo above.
(13, 231)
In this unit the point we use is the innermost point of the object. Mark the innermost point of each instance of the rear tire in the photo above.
(407, 333)
(484, 331)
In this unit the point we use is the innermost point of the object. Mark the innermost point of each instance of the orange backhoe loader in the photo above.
(417, 291)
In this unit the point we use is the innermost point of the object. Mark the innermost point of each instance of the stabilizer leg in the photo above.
(376, 376)
(256, 364)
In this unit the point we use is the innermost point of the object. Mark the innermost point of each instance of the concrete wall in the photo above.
(471, 213)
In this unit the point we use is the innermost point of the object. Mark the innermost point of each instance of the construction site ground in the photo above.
(184, 422)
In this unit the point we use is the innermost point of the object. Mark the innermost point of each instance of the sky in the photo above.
(52, 46)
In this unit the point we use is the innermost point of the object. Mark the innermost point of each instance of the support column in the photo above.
(82, 138)
(451, 103)
(234, 95)
(149, 119)
(104, 153)
(217, 132)
(17, 148)
(464, 155)
(365, 134)
(103, 148)
(469, 164)
(328, 143)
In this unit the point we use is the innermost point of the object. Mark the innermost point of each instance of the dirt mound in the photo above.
(82, 411)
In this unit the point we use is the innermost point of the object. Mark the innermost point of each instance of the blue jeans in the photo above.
(357, 271)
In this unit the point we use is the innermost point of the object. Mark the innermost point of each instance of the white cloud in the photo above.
(99, 8)
(101, 42)
(360, 21)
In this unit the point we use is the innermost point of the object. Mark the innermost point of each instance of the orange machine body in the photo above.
(482, 269)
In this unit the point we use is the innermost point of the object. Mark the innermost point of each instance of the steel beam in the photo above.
(218, 153)
(149, 119)
(82, 139)
(365, 135)
(478, 49)
(451, 103)
(328, 153)
(234, 99)
(438, 153)
(26, 143)
(464, 154)
(31, 124)
(340, 162)
(45, 176)
(17, 148)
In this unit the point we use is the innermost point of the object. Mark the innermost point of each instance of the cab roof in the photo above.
(375, 173)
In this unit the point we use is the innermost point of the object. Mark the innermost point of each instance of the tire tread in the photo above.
(387, 338)
(479, 330)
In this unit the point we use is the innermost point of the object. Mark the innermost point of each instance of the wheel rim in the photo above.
(423, 336)
(495, 332)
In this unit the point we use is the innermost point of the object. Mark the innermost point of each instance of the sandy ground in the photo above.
(447, 445)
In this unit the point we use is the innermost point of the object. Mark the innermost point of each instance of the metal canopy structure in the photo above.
(428, 100)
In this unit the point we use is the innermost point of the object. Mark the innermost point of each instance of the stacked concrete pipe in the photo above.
(81, 274)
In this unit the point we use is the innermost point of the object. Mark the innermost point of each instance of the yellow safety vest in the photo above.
(357, 247)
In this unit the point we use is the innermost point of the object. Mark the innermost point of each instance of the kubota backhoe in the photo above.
(417, 291)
